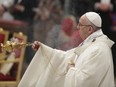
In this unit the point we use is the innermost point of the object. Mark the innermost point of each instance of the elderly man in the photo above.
(88, 65)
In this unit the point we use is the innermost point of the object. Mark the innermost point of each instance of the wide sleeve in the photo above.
(36, 67)
(91, 67)
(39, 65)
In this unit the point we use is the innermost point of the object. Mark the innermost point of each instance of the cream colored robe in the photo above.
(93, 65)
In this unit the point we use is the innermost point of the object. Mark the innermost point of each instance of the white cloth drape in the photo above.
(93, 65)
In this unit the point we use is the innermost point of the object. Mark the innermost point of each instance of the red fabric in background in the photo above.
(2, 37)
(6, 77)
(67, 26)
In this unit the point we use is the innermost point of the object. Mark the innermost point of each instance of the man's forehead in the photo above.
(83, 19)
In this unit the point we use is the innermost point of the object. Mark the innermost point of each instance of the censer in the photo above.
(9, 46)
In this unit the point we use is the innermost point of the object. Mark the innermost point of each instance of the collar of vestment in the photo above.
(93, 36)
(88, 41)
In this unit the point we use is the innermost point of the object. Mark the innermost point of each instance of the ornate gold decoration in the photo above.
(10, 46)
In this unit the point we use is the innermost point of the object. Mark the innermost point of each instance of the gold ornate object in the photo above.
(10, 46)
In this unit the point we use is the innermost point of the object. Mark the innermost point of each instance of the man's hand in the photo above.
(69, 66)
(36, 45)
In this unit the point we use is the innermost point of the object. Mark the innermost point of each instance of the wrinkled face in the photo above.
(85, 29)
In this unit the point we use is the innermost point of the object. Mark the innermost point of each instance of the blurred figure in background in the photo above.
(113, 34)
(4, 6)
(48, 14)
(79, 7)
(61, 35)
(74, 41)
(106, 9)
(22, 10)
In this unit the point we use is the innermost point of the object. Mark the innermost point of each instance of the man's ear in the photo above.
(90, 30)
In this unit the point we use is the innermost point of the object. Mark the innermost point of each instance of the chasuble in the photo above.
(92, 59)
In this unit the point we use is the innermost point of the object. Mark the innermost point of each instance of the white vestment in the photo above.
(93, 65)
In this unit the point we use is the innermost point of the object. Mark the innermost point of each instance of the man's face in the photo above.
(83, 28)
